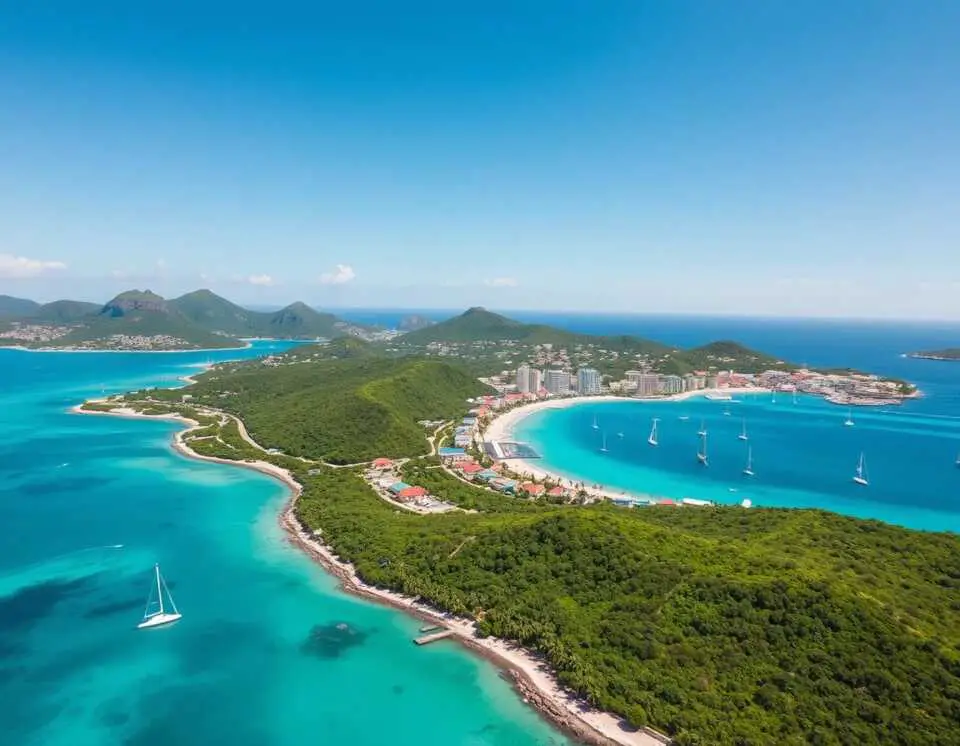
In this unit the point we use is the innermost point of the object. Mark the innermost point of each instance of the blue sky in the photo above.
(746, 157)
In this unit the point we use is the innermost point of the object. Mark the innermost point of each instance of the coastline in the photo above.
(501, 428)
(530, 676)
(21, 348)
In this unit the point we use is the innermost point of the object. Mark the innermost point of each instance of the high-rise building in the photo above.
(523, 379)
(534, 381)
(694, 383)
(556, 381)
(647, 384)
(588, 381)
(670, 384)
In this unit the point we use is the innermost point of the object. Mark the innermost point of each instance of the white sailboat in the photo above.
(702, 452)
(773, 397)
(794, 396)
(595, 425)
(849, 421)
(702, 432)
(159, 615)
(652, 440)
(726, 412)
(748, 469)
(743, 432)
(603, 448)
(861, 475)
(619, 435)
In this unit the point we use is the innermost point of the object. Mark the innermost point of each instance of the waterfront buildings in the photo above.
(670, 385)
(588, 381)
(556, 382)
(529, 380)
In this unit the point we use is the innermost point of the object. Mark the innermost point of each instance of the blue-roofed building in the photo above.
(502, 484)
(486, 475)
(398, 487)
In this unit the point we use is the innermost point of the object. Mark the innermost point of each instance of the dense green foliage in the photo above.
(720, 626)
(338, 410)
(145, 323)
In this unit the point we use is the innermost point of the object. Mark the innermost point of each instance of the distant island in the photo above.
(950, 353)
(143, 320)
(712, 625)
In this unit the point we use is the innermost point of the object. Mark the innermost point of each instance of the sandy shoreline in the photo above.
(501, 428)
(531, 676)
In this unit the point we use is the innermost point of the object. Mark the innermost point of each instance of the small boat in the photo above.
(849, 421)
(603, 448)
(595, 425)
(773, 397)
(702, 452)
(652, 440)
(619, 435)
(718, 396)
(794, 396)
(861, 476)
(684, 417)
(748, 469)
(957, 462)
(726, 412)
(160, 615)
(743, 432)
(702, 432)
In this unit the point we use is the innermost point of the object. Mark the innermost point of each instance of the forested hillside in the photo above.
(719, 626)
(339, 410)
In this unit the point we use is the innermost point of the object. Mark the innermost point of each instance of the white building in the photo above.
(556, 381)
(588, 381)
(647, 383)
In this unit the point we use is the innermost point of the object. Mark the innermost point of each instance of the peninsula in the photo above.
(711, 626)
(949, 353)
(144, 321)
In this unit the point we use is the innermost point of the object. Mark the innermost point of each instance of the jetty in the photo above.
(431, 628)
(433, 637)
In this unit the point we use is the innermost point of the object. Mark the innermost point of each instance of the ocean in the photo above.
(261, 657)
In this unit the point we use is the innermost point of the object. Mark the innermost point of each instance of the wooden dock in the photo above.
(431, 628)
(433, 637)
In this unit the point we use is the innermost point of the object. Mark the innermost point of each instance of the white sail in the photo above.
(743, 432)
(161, 615)
(748, 469)
(652, 440)
(849, 421)
(861, 474)
(702, 452)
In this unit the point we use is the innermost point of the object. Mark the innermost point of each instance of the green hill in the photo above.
(340, 410)
(479, 324)
(214, 313)
(65, 311)
(141, 313)
(297, 321)
(14, 307)
(721, 627)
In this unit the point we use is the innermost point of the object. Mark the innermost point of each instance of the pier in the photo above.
(433, 637)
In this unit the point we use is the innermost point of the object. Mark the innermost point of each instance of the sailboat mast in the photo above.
(159, 591)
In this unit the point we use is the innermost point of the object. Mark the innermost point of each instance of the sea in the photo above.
(269, 651)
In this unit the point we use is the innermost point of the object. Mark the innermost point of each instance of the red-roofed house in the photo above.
(471, 468)
(382, 463)
(412, 492)
(534, 490)
(556, 492)
(666, 501)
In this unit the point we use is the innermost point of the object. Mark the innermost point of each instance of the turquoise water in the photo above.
(804, 456)
(88, 504)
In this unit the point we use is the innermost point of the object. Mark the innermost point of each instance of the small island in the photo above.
(950, 353)
(684, 625)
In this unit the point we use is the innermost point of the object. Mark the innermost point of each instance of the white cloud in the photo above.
(263, 280)
(503, 282)
(20, 266)
(342, 274)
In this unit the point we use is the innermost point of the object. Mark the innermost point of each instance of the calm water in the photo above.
(257, 659)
